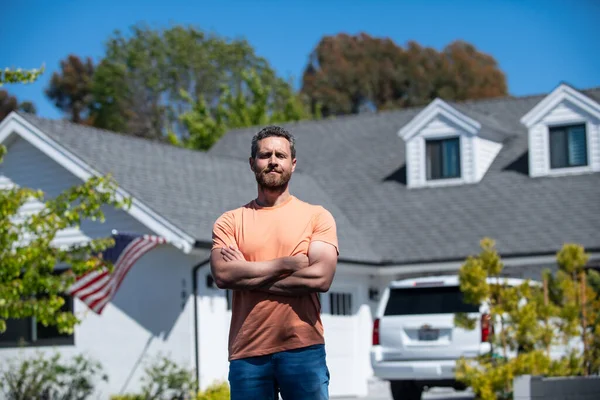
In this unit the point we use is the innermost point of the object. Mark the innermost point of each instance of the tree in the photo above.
(253, 103)
(345, 73)
(30, 284)
(137, 85)
(70, 90)
(10, 103)
(529, 319)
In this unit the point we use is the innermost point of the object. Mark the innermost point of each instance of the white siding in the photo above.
(594, 141)
(485, 151)
(152, 311)
(538, 153)
(414, 164)
(439, 126)
(565, 113)
(467, 158)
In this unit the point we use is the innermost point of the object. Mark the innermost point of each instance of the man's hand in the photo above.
(317, 277)
(232, 253)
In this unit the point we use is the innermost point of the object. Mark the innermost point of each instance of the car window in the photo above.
(427, 300)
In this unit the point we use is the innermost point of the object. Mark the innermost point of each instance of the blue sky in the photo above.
(537, 43)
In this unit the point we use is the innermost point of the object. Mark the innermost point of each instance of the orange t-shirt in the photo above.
(264, 323)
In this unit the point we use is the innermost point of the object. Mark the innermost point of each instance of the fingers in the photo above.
(231, 253)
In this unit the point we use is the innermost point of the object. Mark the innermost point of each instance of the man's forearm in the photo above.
(246, 275)
(311, 279)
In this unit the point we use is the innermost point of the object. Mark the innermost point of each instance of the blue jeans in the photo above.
(296, 374)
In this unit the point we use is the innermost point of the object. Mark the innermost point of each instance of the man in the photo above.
(276, 254)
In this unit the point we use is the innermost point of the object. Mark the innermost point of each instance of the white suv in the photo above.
(415, 342)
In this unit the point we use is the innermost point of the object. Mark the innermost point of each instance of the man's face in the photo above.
(273, 165)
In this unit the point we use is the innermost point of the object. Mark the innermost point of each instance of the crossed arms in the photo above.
(284, 276)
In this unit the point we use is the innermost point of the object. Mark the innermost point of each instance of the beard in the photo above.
(272, 182)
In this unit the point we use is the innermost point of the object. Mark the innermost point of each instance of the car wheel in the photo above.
(405, 390)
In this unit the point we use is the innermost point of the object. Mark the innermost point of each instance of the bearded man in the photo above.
(276, 253)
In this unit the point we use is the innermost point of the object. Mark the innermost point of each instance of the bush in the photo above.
(46, 378)
(164, 379)
(529, 320)
(216, 391)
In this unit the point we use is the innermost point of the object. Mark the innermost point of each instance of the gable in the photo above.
(551, 124)
(15, 128)
(26, 166)
(562, 104)
(445, 146)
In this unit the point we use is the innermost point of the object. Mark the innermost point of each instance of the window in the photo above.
(28, 332)
(430, 300)
(568, 146)
(443, 158)
(340, 303)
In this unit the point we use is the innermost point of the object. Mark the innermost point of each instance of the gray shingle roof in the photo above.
(360, 161)
(355, 167)
(188, 188)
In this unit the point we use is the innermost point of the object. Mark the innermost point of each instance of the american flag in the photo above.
(96, 288)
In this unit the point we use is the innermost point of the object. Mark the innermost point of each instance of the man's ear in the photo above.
(293, 164)
(251, 161)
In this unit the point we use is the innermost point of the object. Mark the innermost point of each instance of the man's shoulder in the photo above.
(232, 213)
(313, 209)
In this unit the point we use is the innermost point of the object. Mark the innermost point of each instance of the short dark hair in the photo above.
(269, 131)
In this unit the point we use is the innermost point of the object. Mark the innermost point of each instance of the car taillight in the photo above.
(485, 327)
(376, 332)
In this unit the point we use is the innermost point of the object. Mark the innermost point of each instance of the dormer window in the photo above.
(446, 147)
(443, 158)
(563, 131)
(568, 146)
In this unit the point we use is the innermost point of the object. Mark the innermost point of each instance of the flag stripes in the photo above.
(97, 288)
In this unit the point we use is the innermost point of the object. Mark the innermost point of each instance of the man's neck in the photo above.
(271, 198)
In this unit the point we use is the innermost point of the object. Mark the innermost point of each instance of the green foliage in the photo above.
(529, 318)
(491, 378)
(579, 304)
(164, 379)
(29, 283)
(255, 103)
(216, 391)
(138, 87)
(50, 378)
(20, 75)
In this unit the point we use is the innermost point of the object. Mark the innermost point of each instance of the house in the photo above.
(412, 191)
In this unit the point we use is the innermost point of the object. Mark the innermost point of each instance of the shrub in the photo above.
(49, 378)
(529, 320)
(164, 379)
(216, 391)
